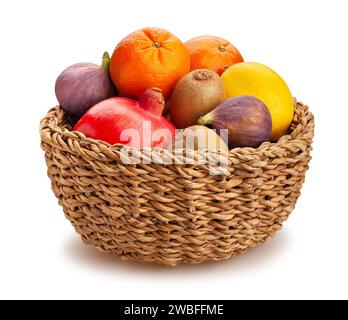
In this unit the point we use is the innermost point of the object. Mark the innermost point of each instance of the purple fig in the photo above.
(247, 120)
(82, 85)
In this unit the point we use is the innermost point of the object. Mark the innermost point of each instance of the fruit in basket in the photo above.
(199, 138)
(246, 118)
(82, 85)
(146, 58)
(135, 123)
(250, 78)
(195, 95)
(213, 53)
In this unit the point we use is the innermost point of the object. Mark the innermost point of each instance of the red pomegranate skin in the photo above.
(122, 120)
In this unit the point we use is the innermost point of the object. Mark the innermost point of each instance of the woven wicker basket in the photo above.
(173, 214)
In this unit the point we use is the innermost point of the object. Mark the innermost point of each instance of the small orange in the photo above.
(150, 57)
(213, 53)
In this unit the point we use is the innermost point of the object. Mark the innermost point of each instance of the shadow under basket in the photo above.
(177, 213)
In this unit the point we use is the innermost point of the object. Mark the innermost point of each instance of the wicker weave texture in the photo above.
(173, 214)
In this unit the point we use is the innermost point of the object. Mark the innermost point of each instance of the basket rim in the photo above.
(54, 132)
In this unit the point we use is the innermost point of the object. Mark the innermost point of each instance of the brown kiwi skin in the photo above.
(195, 95)
(210, 139)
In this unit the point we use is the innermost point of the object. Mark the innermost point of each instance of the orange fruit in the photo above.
(150, 57)
(213, 53)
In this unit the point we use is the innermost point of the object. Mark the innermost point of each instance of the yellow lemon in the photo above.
(255, 79)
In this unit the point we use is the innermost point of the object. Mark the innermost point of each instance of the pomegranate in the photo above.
(122, 120)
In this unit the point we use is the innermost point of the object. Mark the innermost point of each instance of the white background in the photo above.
(40, 254)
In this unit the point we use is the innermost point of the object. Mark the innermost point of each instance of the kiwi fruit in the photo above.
(195, 95)
(200, 138)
